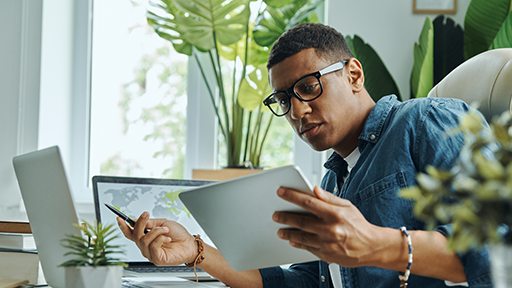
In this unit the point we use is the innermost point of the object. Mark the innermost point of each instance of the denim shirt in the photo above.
(399, 139)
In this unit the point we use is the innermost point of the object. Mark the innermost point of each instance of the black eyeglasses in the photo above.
(307, 88)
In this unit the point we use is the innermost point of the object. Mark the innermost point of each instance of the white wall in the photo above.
(389, 27)
(20, 54)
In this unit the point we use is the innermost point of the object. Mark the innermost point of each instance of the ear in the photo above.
(355, 74)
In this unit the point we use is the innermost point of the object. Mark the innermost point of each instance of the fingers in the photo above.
(316, 204)
(151, 243)
(300, 239)
(329, 197)
(127, 231)
(304, 222)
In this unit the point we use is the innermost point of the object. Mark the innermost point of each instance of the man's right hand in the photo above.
(167, 242)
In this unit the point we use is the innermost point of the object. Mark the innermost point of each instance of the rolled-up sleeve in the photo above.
(303, 275)
(475, 262)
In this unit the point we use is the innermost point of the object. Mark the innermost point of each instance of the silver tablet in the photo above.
(237, 216)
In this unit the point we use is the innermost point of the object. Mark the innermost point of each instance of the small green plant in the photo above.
(476, 194)
(93, 248)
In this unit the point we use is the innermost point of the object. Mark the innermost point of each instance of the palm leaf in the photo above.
(422, 78)
(482, 23)
(503, 38)
(378, 81)
(448, 47)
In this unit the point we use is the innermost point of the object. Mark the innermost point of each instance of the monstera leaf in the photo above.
(483, 20)
(256, 54)
(163, 20)
(278, 3)
(378, 81)
(254, 89)
(199, 22)
(273, 22)
(422, 78)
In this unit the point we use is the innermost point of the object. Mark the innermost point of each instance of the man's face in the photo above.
(329, 121)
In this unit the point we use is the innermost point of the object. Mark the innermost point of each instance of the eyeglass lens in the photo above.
(307, 88)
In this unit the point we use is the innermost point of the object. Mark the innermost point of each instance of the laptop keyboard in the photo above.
(168, 269)
(131, 284)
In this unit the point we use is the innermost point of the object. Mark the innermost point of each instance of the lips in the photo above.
(309, 130)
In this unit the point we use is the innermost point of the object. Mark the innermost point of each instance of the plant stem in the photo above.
(257, 158)
(216, 108)
(229, 139)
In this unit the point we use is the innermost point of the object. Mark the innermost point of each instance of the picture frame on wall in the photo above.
(434, 6)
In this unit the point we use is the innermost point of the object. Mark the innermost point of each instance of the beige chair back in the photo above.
(485, 79)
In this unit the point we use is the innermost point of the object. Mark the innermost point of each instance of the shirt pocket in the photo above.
(391, 183)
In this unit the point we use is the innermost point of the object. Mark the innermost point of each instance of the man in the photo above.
(379, 148)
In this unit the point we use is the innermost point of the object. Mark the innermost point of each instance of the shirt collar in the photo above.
(371, 131)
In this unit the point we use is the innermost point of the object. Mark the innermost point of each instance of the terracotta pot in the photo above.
(222, 174)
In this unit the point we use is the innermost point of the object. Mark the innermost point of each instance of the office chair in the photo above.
(485, 79)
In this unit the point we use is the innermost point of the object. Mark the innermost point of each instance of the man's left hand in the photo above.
(339, 233)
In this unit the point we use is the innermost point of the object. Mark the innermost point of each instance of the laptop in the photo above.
(49, 206)
(51, 213)
(132, 196)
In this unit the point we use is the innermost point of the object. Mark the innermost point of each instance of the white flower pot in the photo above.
(94, 277)
(500, 257)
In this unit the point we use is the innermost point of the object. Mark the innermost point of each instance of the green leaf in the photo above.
(448, 46)
(273, 22)
(278, 3)
(254, 89)
(481, 24)
(503, 38)
(378, 81)
(197, 22)
(422, 78)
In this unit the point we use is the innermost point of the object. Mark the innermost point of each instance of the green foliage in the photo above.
(476, 195)
(93, 248)
(422, 78)
(483, 20)
(223, 30)
(487, 25)
(378, 81)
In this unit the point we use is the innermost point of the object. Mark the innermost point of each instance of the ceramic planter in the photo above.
(500, 257)
(94, 277)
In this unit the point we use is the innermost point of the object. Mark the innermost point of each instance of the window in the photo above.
(138, 96)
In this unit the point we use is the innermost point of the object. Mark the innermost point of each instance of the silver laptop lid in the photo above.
(134, 195)
(50, 209)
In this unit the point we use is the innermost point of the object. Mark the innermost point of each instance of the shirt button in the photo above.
(322, 278)
(372, 137)
(335, 190)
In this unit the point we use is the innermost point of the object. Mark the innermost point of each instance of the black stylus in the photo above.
(122, 215)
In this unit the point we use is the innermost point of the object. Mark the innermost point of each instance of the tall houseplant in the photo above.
(93, 265)
(225, 31)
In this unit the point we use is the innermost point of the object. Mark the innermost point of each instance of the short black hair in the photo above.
(329, 43)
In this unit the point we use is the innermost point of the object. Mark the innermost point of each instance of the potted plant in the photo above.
(93, 265)
(443, 44)
(231, 47)
(476, 195)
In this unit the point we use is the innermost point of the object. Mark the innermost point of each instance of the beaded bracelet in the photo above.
(200, 257)
(405, 276)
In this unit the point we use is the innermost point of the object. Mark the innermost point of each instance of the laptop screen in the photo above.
(132, 196)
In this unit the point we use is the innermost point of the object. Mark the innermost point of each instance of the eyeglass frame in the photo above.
(329, 69)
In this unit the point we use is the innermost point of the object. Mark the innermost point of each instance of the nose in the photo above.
(298, 108)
